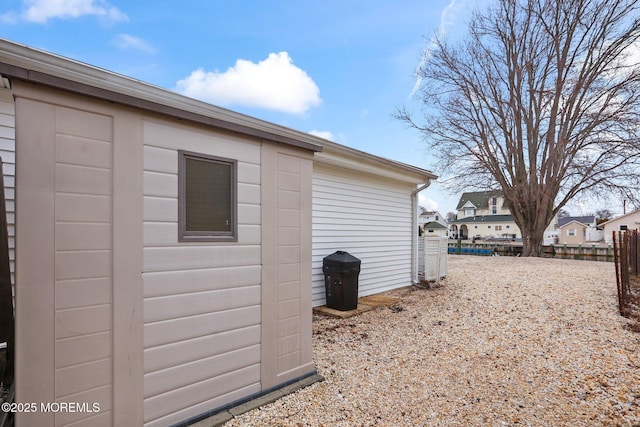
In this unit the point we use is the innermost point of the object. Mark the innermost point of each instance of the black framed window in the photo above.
(207, 187)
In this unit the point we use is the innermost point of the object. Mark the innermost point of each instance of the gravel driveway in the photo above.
(502, 342)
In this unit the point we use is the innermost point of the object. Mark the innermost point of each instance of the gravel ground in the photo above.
(501, 342)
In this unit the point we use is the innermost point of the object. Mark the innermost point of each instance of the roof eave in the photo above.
(347, 157)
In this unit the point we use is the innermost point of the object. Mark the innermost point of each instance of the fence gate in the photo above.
(434, 260)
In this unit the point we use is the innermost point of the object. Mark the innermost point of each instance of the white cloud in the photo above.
(273, 83)
(427, 203)
(126, 41)
(322, 134)
(447, 19)
(40, 11)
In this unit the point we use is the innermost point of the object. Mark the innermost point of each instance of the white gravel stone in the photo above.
(502, 342)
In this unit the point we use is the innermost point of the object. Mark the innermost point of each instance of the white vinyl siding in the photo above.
(367, 216)
(8, 154)
(201, 299)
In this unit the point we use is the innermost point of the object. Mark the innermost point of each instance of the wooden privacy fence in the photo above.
(579, 252)
(626, 248)
(587, 252)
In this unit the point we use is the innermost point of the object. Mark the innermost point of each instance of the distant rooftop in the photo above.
(586, 219)
(480, 199)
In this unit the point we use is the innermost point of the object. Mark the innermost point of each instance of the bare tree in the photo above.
(540, 100)
(603, 215)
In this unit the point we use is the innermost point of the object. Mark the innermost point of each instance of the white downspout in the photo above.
(414, 230)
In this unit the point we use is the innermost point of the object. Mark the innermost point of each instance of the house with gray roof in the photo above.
(484, 215)
(589, 220)
(434, 229)
(431, 216)
(578, 230)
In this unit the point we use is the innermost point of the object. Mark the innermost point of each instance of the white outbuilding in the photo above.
(367, 206)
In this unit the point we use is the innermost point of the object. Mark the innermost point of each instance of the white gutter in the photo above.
(414, 230)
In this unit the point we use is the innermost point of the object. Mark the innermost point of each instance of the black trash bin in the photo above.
(341, 271)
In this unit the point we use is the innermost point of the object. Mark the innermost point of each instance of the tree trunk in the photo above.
(532, 244)
(532, 230)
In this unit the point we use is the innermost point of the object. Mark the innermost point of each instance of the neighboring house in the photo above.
(572, 233)
(630, 221)
(483, 214)
(367, 206)
(587, 220)
(434, 229)
(431, 216)
(161, 310)
(575, 230)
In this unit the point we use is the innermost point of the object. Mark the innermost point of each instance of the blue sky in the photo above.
(338, 69)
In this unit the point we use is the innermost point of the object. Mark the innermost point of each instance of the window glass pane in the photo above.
(208, 196)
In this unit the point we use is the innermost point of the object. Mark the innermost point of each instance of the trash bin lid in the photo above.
(341, 259)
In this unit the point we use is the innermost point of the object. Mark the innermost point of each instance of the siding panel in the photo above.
(175, 136)
(168, 331)
(83, 292)
(200, 280)
(82, 349)
(83, 180)
(229, 387)
(83, 321)
(177, 306)
(377, 232)
(83, 264)
(160, 209)
(81, 151)
(99, 395)
(194, 257)
(181, 352)
(94, 374)
(83, 207)
(82, 236)
(168, 380)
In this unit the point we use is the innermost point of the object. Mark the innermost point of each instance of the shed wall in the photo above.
(79, 299)
(367, 216)
(201, 300)
(118, 312)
